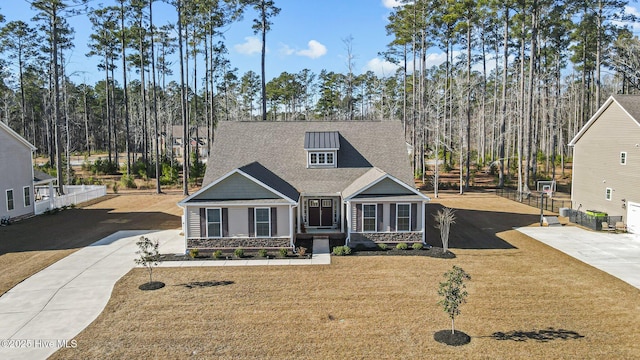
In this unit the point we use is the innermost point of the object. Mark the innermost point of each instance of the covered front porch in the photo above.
(320, 213)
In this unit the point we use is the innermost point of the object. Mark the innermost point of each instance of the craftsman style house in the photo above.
(266, 182)
(16, 174)
(606, 161)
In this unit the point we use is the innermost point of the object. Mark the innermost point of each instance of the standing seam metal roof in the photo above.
(318, 140)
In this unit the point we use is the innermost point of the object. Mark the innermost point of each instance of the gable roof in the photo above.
(374, 177)
(17, 136)
(271, 193)
(630, 104)
(280, 148)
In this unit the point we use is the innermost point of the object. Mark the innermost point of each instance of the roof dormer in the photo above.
(322, 148)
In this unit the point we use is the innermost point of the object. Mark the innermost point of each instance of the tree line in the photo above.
(518, 80)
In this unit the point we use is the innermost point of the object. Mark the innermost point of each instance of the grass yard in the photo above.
(545, 304)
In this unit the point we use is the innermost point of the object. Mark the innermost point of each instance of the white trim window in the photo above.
(403, 217)
(369, 217)
(321, 158)
(262, 222)
(623, 158)
(26, 192)
(10, 204)
(214, 222)
(608, 194)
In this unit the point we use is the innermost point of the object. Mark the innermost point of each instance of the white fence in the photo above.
(74, 194)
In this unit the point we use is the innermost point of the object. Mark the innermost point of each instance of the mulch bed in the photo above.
(435, 252)
(154, 285)
(458, 338)
(248, 255)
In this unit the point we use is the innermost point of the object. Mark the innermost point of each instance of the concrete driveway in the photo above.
(46, 311)
(615, 254)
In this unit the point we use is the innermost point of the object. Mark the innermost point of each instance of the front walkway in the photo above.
(57, 303)
(615, 254)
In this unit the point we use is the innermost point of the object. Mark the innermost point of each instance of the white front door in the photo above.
(633, 217)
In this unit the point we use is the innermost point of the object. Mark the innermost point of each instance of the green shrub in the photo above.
(382, 246)
(338, 251)
(417, 246)
(217, 254)
(262, 253)
(283, 252)
(115, 187)
(128, 182)
(169, 174)
(239, 253)
(194, 253)
(347, 250)
(402, 246)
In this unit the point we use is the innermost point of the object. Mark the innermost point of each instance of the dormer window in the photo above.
(322, 148)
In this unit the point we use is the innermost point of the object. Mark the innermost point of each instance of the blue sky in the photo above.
(306, 34)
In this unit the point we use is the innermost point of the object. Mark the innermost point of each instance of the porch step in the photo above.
(320, 245)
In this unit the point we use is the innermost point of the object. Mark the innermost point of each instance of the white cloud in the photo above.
(286, 50)
(314, 50)
(252, 45)
(390, 4)
(380, 67)
(635, 26)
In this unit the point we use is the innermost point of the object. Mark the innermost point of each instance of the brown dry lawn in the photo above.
(379, 307)
(31, 245)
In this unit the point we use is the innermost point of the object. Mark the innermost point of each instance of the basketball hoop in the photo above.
(546, 187)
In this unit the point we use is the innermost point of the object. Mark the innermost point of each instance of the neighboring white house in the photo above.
(606, 161)
(267, 182)
(16, 174)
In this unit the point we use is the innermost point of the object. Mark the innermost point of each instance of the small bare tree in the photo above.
(148, 254)
(453, 292)
(444, 219)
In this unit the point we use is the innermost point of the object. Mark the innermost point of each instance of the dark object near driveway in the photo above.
(458, 338)
(154, 285)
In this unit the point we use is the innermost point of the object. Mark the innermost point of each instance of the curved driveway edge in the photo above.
(47, 310)
(615, 254)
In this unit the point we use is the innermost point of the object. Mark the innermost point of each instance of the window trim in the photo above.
(623, 158)
(212, 222)
(13, 200)
(375, 218)
(321, 154)
(398, 217)
(608, 194)
(26, 196)
(255, 221)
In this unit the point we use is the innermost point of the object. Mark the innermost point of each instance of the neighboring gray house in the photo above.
(16, 174)
(197, 135)
(266, 182)
(606, 161)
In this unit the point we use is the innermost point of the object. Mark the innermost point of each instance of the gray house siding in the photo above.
(386, 228)
(236, 187)
(596, 163)
(240, 230)
(386, 187)
(16, 173)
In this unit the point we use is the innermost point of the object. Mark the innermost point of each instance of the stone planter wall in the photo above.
(233, 243)
(374, 238)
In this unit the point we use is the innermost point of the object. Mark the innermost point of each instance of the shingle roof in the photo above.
(319, 140)
(279, 147)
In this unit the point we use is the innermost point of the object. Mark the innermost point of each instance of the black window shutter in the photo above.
(203, 222)
(252, 230)
(392, 217)
(225, 222)
(274, 221)
(358, 217)
(414, 216)
(380, 219)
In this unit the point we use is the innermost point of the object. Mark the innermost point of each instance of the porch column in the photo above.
(348, 212)
(291, 229)
(299, 217)
(424, 228)
(341, 216)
